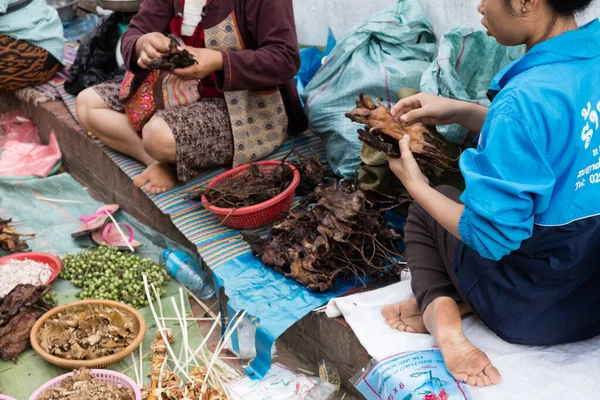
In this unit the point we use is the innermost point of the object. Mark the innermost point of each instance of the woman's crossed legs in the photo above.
(438, 307)
(156, 147)
(175, 144)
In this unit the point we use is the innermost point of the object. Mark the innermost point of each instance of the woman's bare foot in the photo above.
(404, 316)
(466, 362)
(157, 178)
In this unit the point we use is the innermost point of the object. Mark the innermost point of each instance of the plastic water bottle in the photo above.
(186, 270)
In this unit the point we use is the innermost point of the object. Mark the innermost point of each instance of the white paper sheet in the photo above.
(281, 383)
(570, 371)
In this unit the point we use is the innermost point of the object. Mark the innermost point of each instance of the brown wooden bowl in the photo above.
(139, 328)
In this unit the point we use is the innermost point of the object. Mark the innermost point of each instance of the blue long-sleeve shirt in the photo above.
(529, 261)
(526, 167)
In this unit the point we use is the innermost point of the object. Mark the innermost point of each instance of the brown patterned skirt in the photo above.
(23, 64)
(202, 131)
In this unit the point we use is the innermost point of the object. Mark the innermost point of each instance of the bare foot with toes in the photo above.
(466, 362)
(404, 316)
(157, 178)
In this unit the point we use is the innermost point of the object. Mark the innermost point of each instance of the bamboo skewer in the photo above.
(160, 307)
(162, 370)
(185, 335)
(183, 351)
(49, 200)
(162, 330)
(207, 336)
(187, 319)
(213, 373)
(183, 327)
(135, 370)
(226, 337)
(200, 303)
(141, 357)
(305, 371)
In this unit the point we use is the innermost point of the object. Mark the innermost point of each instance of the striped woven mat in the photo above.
(216, 243)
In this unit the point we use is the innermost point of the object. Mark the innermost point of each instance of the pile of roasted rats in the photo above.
(251, 187)
(173, 59)
(92, 333)
(337, 232)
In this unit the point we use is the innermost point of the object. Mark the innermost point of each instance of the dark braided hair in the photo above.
(568, 7)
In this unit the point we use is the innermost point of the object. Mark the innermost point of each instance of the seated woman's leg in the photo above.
(159, 143)
(100, 115)
(463, 360)
(193, 137)
(437, 306)
(185, 140)
(430, 253)
(23, 64)
(100, 112)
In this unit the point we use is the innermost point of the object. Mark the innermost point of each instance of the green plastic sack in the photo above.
(384, 53)
(466, 63)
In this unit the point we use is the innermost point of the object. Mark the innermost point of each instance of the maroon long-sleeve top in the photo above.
(270, 58)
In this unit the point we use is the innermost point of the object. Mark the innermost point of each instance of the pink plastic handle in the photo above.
(108, 227)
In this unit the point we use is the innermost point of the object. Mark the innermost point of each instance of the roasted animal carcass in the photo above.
(174, 59)
(18, 312)
(382, 132)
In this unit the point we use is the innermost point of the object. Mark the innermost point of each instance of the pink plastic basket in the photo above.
(259, 215)
(103, 374)
(3, 397)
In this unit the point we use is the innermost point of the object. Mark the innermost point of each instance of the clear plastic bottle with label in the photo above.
(183, 267)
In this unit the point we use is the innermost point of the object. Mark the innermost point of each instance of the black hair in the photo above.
(561, 7)
(569, 7)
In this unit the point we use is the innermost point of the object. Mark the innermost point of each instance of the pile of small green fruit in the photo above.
(106, 273)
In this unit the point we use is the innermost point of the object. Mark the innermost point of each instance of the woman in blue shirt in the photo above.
(520, 246)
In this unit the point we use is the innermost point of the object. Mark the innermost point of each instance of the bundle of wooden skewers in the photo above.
(193, 374)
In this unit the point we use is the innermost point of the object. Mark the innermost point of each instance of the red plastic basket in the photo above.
(53, 262)
(259, 215)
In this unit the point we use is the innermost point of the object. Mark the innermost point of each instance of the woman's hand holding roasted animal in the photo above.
(406, 168)
(428, 109)
(209, 61)
(149, 47)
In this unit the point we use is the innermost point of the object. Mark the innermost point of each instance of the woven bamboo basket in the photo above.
(139, 329)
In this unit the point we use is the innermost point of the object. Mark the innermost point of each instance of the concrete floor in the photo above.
(285, 355)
